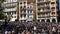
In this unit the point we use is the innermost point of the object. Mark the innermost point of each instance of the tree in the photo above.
(2, 16)
(2, 1)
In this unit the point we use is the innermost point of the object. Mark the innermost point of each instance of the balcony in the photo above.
(43, 6)
(10, 1)
(47, 10)
(28, 19)
(43, 16)
(47, 6)
(23, 18)
(30, 13)
(10, 9)
(10, 5)
(22, 9)
(44, 11)
(22, 13)
(29, 9)
(43, 1)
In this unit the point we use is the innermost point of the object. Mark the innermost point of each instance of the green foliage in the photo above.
(2, 16)
(2, 1)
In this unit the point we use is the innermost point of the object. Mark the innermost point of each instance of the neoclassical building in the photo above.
(22, 10)
(10, 9)
(40, 10)
(46, 10)
(30, 11)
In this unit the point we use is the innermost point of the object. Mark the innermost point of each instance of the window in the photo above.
(53, 12)
(25, 15)
(42, 20)
(38, 13)
(24, 2)
(48, 8)
(30, 17)
(30, 6)
(20, 7)
(14, 16)
(9, 13)
(24, 6)
(21, 16)
(48, 20)
(39, 9)
(24, 20)
(27, 7)
(53, 20)
(20, 2)
(52, 2)
(14, 12)
(24, 10)
(30, 11)
(53, 8)
(38, 4)
(21, 11)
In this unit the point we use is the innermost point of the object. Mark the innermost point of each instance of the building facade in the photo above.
(10, 9)
(47, 10)
(29, 11)
(22, 10)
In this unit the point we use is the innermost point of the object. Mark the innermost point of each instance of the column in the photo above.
(40, 20)
(56, 20)
(50, 20)
(45, 20)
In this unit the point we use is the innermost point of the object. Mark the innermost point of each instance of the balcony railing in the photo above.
(9, 1)
(43, 6)
(23, 18)
(30, 13)
(43, 1)
(43, 16)
(47, 10)
(29, 8)
(10, 5)
(44, 11)
(10, 9)
(23, 13)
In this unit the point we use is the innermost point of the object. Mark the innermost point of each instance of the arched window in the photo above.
(53, 20)
(48, 20)
(38, 20)
(42, 20)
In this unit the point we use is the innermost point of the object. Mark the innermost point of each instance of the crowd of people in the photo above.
(29, 28)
